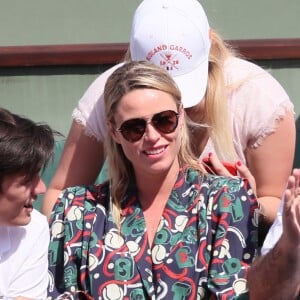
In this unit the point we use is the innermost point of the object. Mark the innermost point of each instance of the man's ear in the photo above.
(111, 130)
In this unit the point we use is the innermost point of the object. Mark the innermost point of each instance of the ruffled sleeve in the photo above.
(90, 109)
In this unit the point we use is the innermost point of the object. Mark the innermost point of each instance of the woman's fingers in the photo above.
(215, 166)
(244, 172)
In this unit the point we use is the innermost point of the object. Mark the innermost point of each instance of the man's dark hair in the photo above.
(25, 146)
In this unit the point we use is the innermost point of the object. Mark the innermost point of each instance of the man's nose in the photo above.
(40, 188)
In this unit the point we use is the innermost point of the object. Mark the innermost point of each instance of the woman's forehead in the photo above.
(144, 102)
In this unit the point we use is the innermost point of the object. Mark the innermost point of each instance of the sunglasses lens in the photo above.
(166, 121)
(132, 130)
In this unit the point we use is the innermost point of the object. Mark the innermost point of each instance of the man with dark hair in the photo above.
(25, 149)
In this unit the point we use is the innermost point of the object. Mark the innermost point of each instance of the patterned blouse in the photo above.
(202, 249)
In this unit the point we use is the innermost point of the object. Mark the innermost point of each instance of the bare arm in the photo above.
(281, 266)
(271, 164)
(80, 163)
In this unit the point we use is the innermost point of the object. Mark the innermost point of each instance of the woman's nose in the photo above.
(151, 133)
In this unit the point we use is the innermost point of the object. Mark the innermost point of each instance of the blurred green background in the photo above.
(50, 93)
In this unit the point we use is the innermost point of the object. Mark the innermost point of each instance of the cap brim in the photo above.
(193, 85)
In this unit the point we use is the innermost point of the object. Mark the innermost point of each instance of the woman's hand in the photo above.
(218, 168)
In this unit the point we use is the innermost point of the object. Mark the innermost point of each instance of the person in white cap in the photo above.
(247, 111)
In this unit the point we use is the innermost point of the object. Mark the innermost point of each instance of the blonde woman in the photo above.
(248, 113)
(160, 227)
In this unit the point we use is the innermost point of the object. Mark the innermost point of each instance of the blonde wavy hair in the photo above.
(216, 104)
(131, 76)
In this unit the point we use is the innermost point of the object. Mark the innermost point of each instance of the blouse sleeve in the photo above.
(233, 241)
(90, 109)
(257, 101)
(69, 237)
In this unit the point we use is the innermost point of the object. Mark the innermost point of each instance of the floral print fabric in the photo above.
(204, 243)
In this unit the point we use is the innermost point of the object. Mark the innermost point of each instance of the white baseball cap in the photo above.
(174, 34)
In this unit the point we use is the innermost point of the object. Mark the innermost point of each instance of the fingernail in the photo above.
(239, 163)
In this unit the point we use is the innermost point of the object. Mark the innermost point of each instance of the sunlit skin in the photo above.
(17, 195)
(156, 152)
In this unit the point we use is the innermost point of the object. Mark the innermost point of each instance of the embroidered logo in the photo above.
(169, 56)
(168, 61)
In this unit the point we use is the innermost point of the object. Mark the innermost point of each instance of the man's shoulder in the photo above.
(38, 217)
(38, 222)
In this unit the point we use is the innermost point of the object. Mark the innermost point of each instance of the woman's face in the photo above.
(155, 152)
(17, 195)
